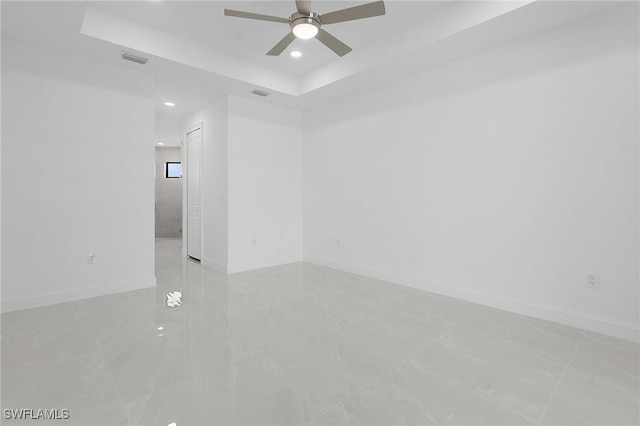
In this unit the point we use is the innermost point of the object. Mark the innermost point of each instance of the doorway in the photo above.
(194, 192)
(168, 192)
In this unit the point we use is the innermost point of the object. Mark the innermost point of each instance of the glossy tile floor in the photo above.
(302, 344)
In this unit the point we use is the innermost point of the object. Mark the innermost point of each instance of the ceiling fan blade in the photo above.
(257, 16)
(368, 10)
(333, 43)
(304, 7)
(282, 44)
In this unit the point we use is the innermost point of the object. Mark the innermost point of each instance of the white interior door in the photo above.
(194, 194)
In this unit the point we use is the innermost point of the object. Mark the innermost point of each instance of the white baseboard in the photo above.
(241, 267)
(606, 326)
(35, 301)
(214, 264)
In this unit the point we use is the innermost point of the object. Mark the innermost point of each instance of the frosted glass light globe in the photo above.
(305, 31)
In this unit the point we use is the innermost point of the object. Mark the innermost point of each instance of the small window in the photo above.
(172, 170)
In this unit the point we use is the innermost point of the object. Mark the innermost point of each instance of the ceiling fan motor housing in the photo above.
(298, 18)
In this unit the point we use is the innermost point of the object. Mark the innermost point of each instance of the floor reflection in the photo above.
(303, 344)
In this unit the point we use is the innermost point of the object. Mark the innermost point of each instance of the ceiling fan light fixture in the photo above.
(305, 31)
(304, 26)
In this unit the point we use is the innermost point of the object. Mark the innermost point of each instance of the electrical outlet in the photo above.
(593, 281)
(92, 259)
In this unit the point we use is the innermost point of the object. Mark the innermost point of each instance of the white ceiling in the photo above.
(205, 23)
(195, 50)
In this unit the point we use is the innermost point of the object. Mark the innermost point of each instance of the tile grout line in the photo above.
(336, 321)
(300, 396)
(522, 350)
(328, 324)
(106, 363)
(412, 353)
(462, 324)
(564, 373)
(481, 397)
(318, 325)
(426, 345)
(616, 383)
(532, 351)
(265, 349)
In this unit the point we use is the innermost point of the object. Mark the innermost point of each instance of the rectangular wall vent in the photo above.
(133, 58)
(260, 92)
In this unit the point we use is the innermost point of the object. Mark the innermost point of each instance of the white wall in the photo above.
(77, 177)
(214, 181)
(502, 178)
(169, 129)
(265, 185)
(252, 184)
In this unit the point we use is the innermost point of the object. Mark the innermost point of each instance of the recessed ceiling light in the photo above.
(169, 104)
(160, 143)
(296, 54)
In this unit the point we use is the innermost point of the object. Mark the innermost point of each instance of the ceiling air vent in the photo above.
(260, 93)
(133, 58)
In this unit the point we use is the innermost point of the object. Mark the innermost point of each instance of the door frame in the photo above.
(185, 178)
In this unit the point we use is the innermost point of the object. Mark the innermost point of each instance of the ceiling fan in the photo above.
(306, 24)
